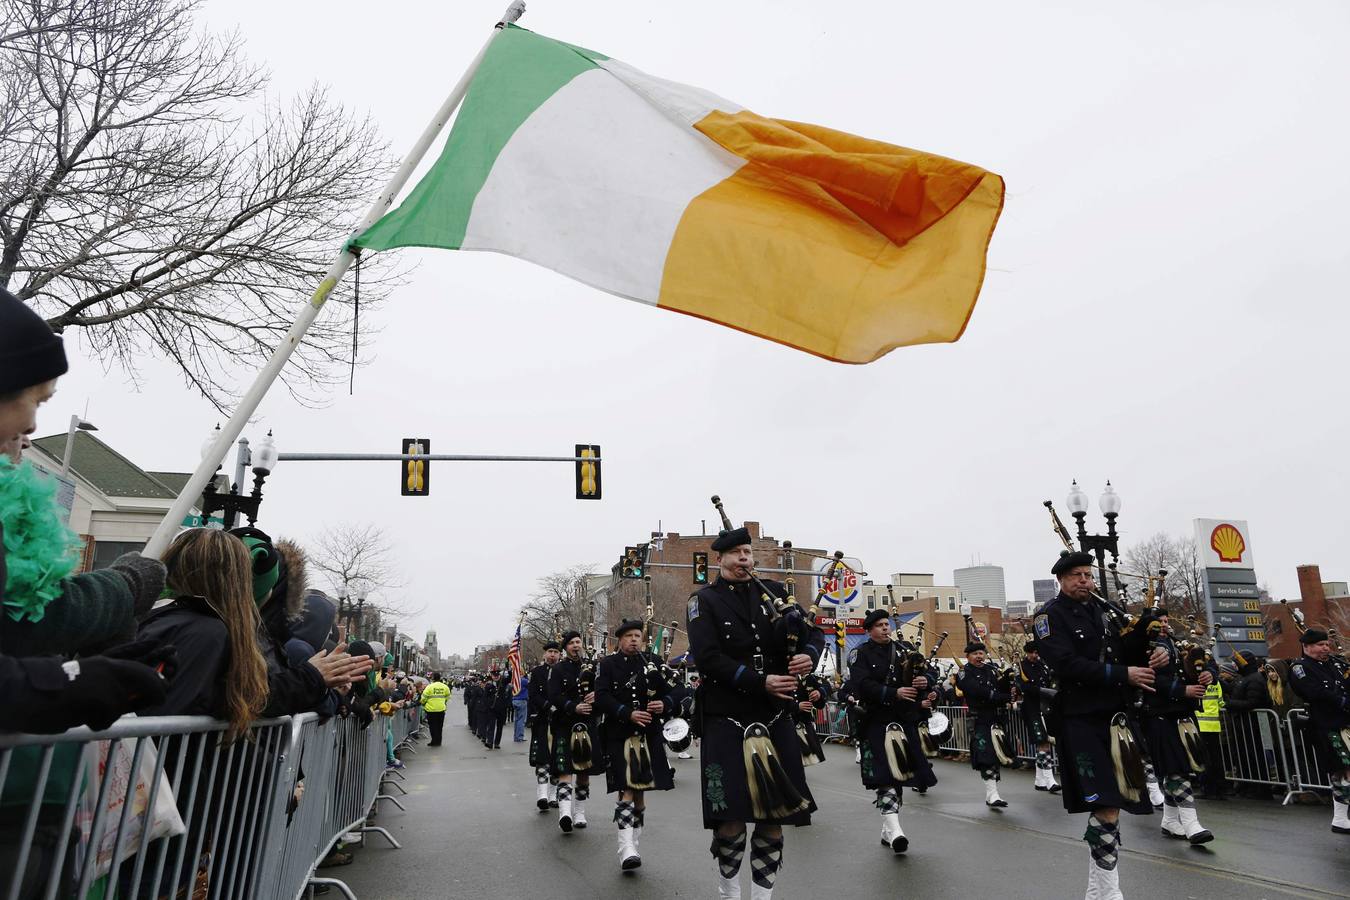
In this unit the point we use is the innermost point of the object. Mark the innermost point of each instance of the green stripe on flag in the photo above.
(520, 72)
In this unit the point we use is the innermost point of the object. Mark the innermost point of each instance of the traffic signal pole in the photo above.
(430, 457)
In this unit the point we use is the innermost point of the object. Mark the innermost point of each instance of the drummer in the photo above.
(677, 732)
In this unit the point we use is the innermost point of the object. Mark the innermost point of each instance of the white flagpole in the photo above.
(159, 542)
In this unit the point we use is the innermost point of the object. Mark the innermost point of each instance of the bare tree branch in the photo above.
(154, 197)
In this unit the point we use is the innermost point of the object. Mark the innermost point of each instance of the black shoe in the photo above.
(1039, 788)
(1201, 837)
(632, 862)
(565, 823)
(553, 804)
(1055, 789)
(1340, 829)
(900, 844)
(542, 803)
(997, 804)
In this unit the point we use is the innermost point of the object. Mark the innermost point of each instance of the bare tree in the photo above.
(557, 605)
(360, 558)
(1182, 590)
(155, 198)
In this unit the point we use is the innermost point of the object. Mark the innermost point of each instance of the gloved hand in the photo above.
(145, 576)
(106, 688)
(163, 658)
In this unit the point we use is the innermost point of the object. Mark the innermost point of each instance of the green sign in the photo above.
(199, 522)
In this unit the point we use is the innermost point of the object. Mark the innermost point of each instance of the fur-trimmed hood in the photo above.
(295, 578)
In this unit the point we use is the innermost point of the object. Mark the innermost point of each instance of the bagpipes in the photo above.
(935, 725)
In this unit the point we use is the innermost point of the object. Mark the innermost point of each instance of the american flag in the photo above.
(513, 657)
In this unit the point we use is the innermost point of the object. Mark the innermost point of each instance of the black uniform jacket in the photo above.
(980, 685)
(538, 690)
(564, 692)
(1326, 692)
(622, 684)
(733, 639)
(874, 677)
(1168, 698)
(1072, 639)
(1033, 676)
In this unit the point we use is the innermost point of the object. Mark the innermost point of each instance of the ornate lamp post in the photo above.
(1097, 544)
(235, 502)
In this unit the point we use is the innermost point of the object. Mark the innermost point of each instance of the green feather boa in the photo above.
(40, 550)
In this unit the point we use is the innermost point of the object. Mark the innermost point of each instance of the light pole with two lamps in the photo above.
(235, 502)
(1097, 544)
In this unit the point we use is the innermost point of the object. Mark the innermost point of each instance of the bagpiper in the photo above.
(1322, 679)
(988, 701)
(751, 769)
(633, 694)
(541, 748)
(577, 751)
(1037, 686)
(890, 681)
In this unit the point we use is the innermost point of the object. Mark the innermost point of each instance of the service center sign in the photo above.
(1224, 543)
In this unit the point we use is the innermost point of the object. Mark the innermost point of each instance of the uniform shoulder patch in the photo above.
(1297, 669)
(693, 607)
(853, 656)
(1041, 625)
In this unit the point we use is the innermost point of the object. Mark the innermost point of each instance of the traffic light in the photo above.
(588, 473)
(632, 563)
(840, 632)
(700, 568)
(415, 480)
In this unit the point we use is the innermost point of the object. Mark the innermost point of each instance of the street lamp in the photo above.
(76, 424)
(235, 502)
(1097, 544)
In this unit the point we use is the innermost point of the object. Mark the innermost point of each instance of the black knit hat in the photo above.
(551, 645)
(874, 617)
(974, 646)
(1312, 636)
(628, 625)
(1029, 647)
(30, 352)
(568, 635)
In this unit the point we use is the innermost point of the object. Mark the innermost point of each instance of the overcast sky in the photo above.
(1166, 304)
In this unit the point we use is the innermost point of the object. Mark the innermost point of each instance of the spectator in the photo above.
(214, 624)
(520, 706)
(42, 610)
(501, 705)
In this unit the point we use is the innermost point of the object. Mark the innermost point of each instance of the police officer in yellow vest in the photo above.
(434, 696)
(1211, 732)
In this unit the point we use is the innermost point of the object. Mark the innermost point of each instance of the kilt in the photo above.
(1035, 723)
(1165, 749)
(540, 745)
(616, 772)
(1333, 750)
(1086, 772)
(561, 761)
(725, 787)
(982, 755)
(876, 771)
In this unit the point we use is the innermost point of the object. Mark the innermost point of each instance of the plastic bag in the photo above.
(115, 766)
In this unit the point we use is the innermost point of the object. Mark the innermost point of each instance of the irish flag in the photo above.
(669, 195)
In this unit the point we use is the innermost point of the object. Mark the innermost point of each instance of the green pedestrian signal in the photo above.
(631, 566)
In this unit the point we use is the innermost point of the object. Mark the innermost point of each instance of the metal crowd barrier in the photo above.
(165, 808)
(1255, 748)
(1308, 772)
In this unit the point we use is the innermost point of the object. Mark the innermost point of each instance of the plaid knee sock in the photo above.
(584, 790)
(564, 791)
(1149, 775)
(766, 858)
(1042, 759)
(1104, 840)
(625, 814)
(888, 800)
(1177, 792)
(989, 774)
(728, 852)
(541, 774)
(1340, 790)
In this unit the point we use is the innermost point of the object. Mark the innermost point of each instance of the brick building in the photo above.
(670, 565)
(1318, 610)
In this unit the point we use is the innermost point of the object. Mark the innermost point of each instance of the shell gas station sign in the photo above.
(1232, 595)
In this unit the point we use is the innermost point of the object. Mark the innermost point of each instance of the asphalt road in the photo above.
(471, 830)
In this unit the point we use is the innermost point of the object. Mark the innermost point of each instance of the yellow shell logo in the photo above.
(1228, 543)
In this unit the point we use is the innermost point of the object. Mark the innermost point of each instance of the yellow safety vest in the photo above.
(434, 696)
(1210, 707)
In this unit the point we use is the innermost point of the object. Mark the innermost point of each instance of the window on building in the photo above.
(871, 601)
(107, 551)
(951, 603)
